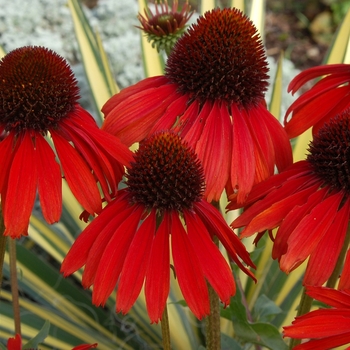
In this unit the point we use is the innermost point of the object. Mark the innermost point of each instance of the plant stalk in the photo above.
(14, 286)
(165, 329)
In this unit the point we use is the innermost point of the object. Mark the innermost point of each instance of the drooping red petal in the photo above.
(188, 271)
(297, 82)
(21, 188)
(7, 152)
(312, 112)
(322, 261)
(330, 296)
(282, 147)
(77, 174)
(243, 155)
(142, 85)
(308, 232)
(291, 220)
(217, 226)
(157, 283)
(273, 215)
(49, 181)
(215, 143)
(331, 342)
(134, 117)
(78, 253)
(320, 324)
(214, 266)
(136, 264)
(109, 227)
(176, 108)
(113, 257)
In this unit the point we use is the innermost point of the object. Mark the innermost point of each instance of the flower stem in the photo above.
(213, 339)
(14, 286)
(336, 272)
(304, 307)
(165, 329)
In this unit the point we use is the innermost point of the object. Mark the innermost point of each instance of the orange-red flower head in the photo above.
(38, 98)
(308, 203)
(129, 242)
(164, 27)
(212, 94)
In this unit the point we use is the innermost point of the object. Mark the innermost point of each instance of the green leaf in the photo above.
(39, 338)
(229, 343)
(260, 333)
(265, 309)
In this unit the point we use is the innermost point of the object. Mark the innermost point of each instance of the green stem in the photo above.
(165, 329)
(304, 307)
(14, 286)
(3, 240)
(213, 339)
(336, 272)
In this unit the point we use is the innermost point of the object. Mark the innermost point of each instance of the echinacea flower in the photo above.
(128, 243)
(38, 97)
(309, 203)
(212, 94)
(324, 328)
(15, 343)
(327, 98)
(164, 27)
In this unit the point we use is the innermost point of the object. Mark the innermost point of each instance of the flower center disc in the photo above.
(220, 58)
(37, 89)
(330, 153)
(166, 174)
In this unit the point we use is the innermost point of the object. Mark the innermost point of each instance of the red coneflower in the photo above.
(38, 96)
(212, 94)
(309, 203)
(164, 27)
(327, 328)
(128, 242)
(327, 98)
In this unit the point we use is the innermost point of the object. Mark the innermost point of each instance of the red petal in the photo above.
(158, 274)
(214, 266)
(308, 233)
(113, 257)
(273, 215)
(49, 181)
(217, 226)
(132, 120)
(330, 296)
(21, 189)
(78, 253)
(14, 343)
(78, 175)
(136, 264)
(7, 152)
(85, 346)
(291, 220)
(142, 85)
(243, 156)
(314, 72)
(322, 261)
(188, 271)
(215, 140)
